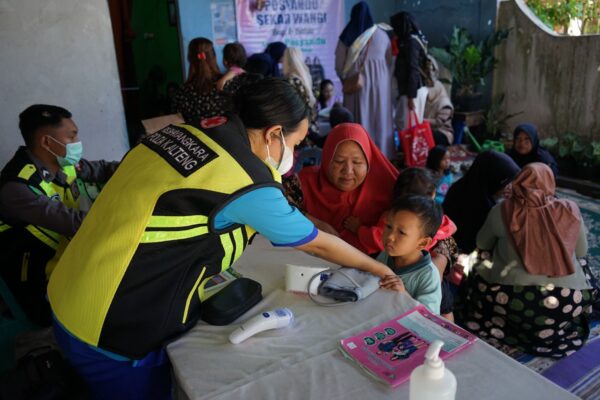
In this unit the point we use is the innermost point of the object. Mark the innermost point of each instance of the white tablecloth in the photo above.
(303, 361)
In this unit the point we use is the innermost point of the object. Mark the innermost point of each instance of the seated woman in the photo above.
(260, 64)
(294, 66)
(533, 295)
(275, 51)
(526, 148)
(469, 200)
(351, 189)
(327, 97)
(198, 98)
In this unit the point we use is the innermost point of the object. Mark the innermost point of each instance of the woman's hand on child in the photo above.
(352, 224)
(392, 282)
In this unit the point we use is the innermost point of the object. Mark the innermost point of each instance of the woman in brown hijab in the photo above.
(532, 294)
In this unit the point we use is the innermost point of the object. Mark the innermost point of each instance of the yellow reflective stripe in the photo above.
(48, 188)
(189, 298)
(239, 243)
(165, 236)
(201, 292)
(70, 171)
(228, 248)
(25, 267)
(27, 171)
(249, 232)
(47, 237)
(163, 221)
(4, 227)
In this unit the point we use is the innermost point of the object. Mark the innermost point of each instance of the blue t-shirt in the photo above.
(268, 212)
(442, 187)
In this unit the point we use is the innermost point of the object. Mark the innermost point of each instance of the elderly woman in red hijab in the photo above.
(351, 189)
(533, 295)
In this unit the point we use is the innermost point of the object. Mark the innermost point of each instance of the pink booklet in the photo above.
(390, 351)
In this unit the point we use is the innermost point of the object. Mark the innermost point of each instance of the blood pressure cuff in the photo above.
(349, 285)
(231, 302)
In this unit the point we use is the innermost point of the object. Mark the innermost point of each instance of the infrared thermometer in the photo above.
(278, 318)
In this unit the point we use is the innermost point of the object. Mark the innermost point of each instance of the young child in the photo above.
(411, 225)
(234, 59)
(443, 249)
(438, 161)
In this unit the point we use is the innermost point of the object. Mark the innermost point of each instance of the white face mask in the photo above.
(287, 158)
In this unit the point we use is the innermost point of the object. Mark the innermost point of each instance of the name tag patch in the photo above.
(184, 151)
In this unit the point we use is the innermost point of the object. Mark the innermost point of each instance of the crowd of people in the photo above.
(119, 279)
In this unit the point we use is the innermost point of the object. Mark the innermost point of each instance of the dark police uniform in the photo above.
(39, 211)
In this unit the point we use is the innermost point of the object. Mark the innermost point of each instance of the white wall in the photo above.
(61, 52)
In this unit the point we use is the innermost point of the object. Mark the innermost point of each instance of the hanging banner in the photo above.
(312, 25)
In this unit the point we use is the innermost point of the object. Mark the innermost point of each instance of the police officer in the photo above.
(43, 200)
(181, 208)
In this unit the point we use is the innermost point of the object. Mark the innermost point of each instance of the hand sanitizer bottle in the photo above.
(432, 381)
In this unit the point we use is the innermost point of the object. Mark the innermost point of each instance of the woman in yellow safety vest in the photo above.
(180, 208)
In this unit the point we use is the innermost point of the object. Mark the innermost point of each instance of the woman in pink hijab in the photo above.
(534, 294)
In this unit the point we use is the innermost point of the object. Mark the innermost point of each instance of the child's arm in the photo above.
(390, 282)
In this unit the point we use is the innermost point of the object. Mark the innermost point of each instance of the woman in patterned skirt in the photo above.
(533, 294)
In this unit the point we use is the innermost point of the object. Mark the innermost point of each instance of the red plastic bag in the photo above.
(416, 141)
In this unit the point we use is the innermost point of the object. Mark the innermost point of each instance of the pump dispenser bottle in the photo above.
(432, 381)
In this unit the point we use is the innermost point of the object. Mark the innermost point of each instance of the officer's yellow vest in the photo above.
(26, 172)
(133, 275)
(50, 190)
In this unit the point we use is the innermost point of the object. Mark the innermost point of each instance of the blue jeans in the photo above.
(113, 377)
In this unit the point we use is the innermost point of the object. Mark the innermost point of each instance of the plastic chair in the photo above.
(10, 326)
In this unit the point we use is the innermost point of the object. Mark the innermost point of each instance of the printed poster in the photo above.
(312, 25)
(223, 23)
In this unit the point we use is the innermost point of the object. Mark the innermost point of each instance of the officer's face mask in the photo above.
(72, 155)
(287, 158)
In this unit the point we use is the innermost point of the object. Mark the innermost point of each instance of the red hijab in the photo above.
(446, 230)
(367, 202)
(544, 229)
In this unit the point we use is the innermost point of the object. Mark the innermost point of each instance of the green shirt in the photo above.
(507, 267)
(421, 280)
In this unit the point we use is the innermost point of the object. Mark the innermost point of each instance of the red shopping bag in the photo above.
(416, 141)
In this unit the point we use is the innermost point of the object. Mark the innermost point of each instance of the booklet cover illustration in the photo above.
(390, 351)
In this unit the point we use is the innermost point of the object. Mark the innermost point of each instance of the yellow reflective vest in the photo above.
(22, 169)
(132, 278)
(27, 249)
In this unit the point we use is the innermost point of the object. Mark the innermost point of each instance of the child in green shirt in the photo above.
(410, 227)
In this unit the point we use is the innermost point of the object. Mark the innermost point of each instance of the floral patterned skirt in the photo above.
(544, 321)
